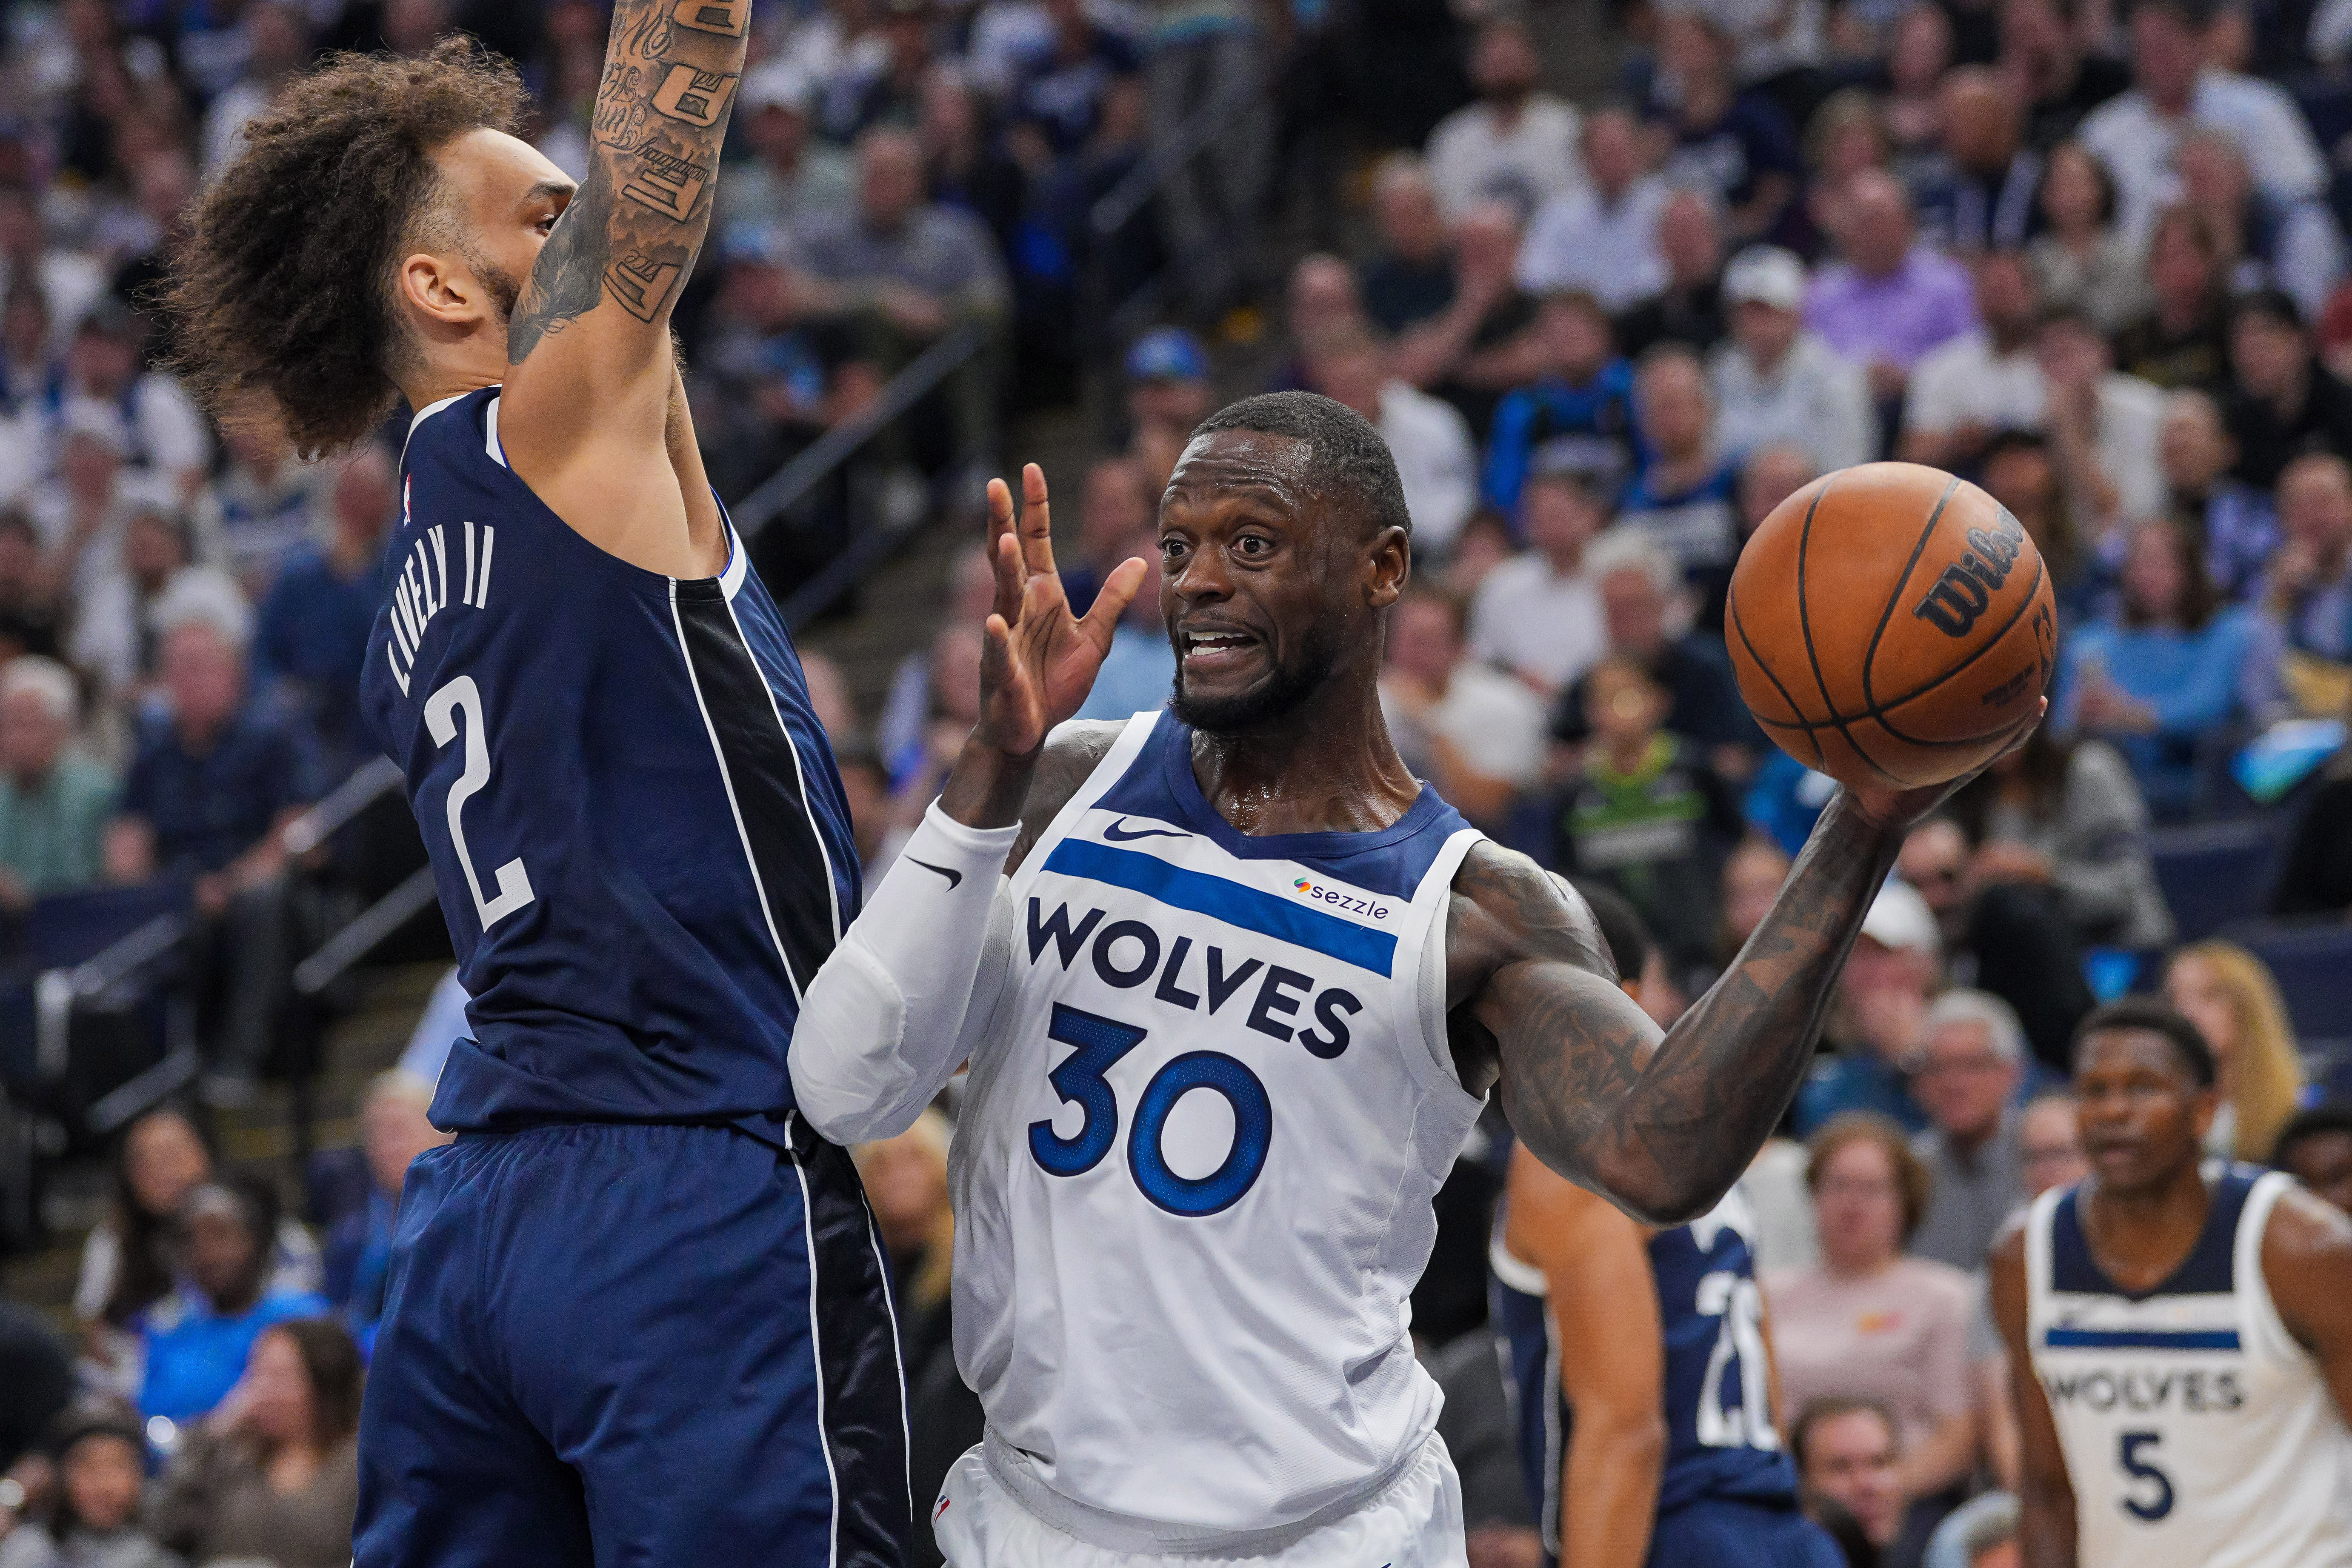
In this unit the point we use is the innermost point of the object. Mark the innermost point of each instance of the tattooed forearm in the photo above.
(638, 220)
(1665, 1125)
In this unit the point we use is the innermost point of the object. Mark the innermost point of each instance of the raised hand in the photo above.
(1039, 660)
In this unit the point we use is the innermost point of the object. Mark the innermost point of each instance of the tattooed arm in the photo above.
(1660, 1124)
(591, 400)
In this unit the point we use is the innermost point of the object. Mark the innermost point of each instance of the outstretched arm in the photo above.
(1661, 1125)
(2045, 1526)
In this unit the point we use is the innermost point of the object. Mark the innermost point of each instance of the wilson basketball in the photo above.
(1891, 625)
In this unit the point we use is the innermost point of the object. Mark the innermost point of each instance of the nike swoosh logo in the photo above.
(1115, 837)
(955, 878)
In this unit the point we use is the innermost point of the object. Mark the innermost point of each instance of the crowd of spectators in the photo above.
(2091, 256)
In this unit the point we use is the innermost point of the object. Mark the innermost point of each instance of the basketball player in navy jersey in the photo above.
(636, 1312)
(1641, 1361)
(1187, 1324)
(2179, 1337)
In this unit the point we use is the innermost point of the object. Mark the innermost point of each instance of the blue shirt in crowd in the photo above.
(313, 633)
(1588, 428)
(208, 808)
(1856, 1080)
(2191, 681)
(195, 1355)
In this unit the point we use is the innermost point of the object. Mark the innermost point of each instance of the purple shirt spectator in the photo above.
(1892, 320)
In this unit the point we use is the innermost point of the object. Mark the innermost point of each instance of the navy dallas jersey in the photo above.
(640, 840)
(1727, 1490)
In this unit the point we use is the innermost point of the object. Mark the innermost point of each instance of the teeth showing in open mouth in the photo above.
(1210, 642)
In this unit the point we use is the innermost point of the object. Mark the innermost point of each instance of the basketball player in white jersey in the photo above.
(2180, 1332)
(1229, 1017)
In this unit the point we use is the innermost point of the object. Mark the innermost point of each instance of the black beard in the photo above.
(502, 284)
(1291, 685)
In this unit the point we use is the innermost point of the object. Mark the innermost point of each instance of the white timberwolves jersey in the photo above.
(1193, 1173)
(2198, 1433)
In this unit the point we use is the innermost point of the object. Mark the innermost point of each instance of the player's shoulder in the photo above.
(1506, 907)
(1070, 755)
(2305, 1231)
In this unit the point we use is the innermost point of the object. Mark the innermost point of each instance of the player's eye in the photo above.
(1253, 547)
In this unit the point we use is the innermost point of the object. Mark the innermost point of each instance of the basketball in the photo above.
(1891, 625)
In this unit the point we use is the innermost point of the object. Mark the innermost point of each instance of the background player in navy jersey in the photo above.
(2180, 1332)
(1642, 1363)
(636, 1312)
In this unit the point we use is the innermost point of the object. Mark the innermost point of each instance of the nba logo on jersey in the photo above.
(1216, 1104)
(2196, 1429)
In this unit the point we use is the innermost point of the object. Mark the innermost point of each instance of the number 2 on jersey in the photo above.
(1100, 1042)
(1748, 1424)
(441, 710)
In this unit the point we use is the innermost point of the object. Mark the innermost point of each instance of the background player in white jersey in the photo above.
(2180, 1332)
(1229, 1020)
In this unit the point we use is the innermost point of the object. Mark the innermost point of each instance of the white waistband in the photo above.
(1126, 1532)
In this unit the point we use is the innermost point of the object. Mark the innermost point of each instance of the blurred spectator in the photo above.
(1209, 56)
(2238, 523)
(1682, 500)
(1878, 1019)
(54, 801)
(2304, 629)
(1846, 135)
(1436, 461)
(2042, 46)
(28, 604)
(2294, 247)
(2229, 994)
(393, 1130)
(101, 1473)
(2049, 1143)
(2103, 426)
(311, 635)
(1966, 391)
(1139, 671)
(1688, 309)
(273, 1476)
(903, 270)
(1979, 196)
(2182, 341)
(144, 580)
(2001, 935)
(2162, 676)
(1167, 392)
(1484, 544)
(865, 786)
(1645, 812)
(1888, 300)
(972, 596)
(1736, 147)
(1847, 1452)
(1538, 614)
(1410, 277)
(1601, 236)
(2019, 472)
(1968, 1080)
(1479, 346)
(2079, 259)
(2069, 817)
(81, 513)
(1058, 101)
(1916, 64)
(127, 1263)
(1870, 1322)
(39, 1379)
(2173, 87)
(2316, 1149)
(157, 424)
(1577, 411)
(906, 1181)
(279, 44)
(1516, 143)
(2316, 869)
(1769, 476)
(1752, 878)
(71, 282)
(791, 178)
(1115, 508)
(1778, 385)
(1639, 589)
(209, 793)
(829, 691)
(2283, 404)
(197, 1337)
(1320, 302)
(1981, 1534)
(886, 90)
(257, 509)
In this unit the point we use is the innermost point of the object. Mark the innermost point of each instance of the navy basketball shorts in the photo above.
(626, 1344)
(1721, 1533)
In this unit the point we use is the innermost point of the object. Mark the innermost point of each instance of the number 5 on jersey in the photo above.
(441, 710)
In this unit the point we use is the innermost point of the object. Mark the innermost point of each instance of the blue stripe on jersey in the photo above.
(2210, 1269)
(2142, 1339)
(1232, 903)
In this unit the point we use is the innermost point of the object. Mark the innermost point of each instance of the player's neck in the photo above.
(2139, 1236)
(452, 369)
(1325, 766)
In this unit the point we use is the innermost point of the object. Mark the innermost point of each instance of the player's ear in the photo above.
(441, 292)
(1389, 557)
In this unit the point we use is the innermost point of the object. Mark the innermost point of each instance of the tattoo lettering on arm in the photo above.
(638, 222)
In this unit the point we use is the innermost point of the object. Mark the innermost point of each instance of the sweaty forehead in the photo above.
(2126, 1050)
(1235, 463)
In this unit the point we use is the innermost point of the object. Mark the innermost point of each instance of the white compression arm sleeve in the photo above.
(911, 987)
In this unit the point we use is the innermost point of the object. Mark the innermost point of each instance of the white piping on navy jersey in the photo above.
(490, 434)
(808, 1236)
(800, 773)
(427, 412)
(678, 624)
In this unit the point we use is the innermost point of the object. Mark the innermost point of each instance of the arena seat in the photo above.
(2313, 964)
(2214, 874)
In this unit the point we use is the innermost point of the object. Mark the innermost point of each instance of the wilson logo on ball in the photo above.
(1961, 594)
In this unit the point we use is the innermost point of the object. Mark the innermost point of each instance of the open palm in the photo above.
(1040, 660)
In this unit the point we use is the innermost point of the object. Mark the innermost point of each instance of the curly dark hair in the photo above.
(284, 285)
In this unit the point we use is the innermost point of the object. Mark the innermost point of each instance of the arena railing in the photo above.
(1107, 322)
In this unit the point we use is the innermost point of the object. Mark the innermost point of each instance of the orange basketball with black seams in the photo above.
(1892, 625)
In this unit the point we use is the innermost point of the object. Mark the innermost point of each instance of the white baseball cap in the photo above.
(1767, 274)
(1900, 918)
